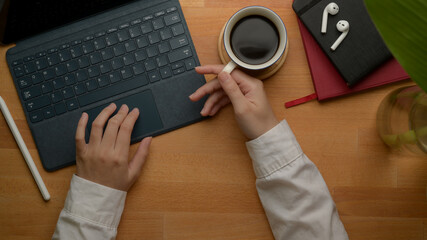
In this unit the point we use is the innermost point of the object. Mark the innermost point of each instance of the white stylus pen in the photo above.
(24, 150)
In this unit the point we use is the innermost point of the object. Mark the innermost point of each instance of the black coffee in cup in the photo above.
(254, 39)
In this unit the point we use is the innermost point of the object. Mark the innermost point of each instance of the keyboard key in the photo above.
(107, 54)
(83, 62)
(158, 24)
(152, 51)
(111, 30)
(100, 34)
(61, 70)
(36, 117)
(136, 21)
(48, 74)
(164, 47)
(79, 89)
(36, 78)
(58, 83)
(30, 67)
(130, 46)
(25, 82)
(142, 42)
(37, 103)
(128, 59)
(60, 108)
(72, 104)
(91, 85)
(161, 61)
(56, 97)
(95, 58)
(124, 25)
(172, 19)
(82, 75)
(40, 54)
(94, 71)
(103, 81)
(138, 69)
(72, 65)
(64, 55)
(178, 71)
(17, 62)
(117, 63)
(165, 72)
(48, 112)
(32, 92)
(70, 79)
(64, 46)
(178, 42)
(53, 59)
(99, 43)
(154, 37)
(41, 64)
(177, 29)
(154, 76)
(52, 50)
(88, 47)
(19, 71)
(158, 14)
(47, 87)
(149, 65)
(105, 67)
(75, 42)
(180, 54)
(29, 58)
(190, 64)
(113, 90)
(146, 28)
(172, 9)
(149, 17)
(88, 38)
(76, 51)
(165, 34)
(140, 55)
(135, 31)
(115, 77)
(111, 39)
(67, 92)
(123, 35)
(126, 72)
(119, 50)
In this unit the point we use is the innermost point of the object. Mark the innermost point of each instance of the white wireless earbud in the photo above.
(342, 26)
(332, 8)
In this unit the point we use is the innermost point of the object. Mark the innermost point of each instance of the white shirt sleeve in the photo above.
(292, 191)
(91, 211)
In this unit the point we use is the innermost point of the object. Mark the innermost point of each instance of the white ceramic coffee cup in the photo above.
(250, 11)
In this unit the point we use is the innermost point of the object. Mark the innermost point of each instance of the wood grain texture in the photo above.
(198, 181)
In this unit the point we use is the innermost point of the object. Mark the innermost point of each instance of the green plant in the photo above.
(403, 26)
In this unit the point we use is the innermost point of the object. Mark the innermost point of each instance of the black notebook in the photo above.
(361, 52)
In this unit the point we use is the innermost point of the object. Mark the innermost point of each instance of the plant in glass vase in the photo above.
(402, 115)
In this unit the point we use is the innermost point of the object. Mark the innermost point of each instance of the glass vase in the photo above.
(402, 120)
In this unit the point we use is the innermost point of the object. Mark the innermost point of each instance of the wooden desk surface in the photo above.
(198, 182)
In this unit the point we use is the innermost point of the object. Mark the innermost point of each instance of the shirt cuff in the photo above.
(95, 203)
(273, 150)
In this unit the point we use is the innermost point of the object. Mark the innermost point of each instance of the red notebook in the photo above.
(328, 83)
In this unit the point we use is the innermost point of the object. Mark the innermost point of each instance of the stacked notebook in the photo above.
(327, 80)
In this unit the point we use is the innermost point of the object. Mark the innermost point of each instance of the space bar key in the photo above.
(120, 87)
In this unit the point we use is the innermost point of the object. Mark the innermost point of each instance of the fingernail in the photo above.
(84, 115)
(191, 96)
(203, 111)
(135, 109)
(112, 105)
(123, 106)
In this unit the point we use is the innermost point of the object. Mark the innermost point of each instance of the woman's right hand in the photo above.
(251, 107)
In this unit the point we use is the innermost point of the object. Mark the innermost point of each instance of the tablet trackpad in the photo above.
(148, 121)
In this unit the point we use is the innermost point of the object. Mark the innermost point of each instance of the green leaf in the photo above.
(403, 26)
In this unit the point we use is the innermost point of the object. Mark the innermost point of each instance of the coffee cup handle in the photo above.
(230, 67)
